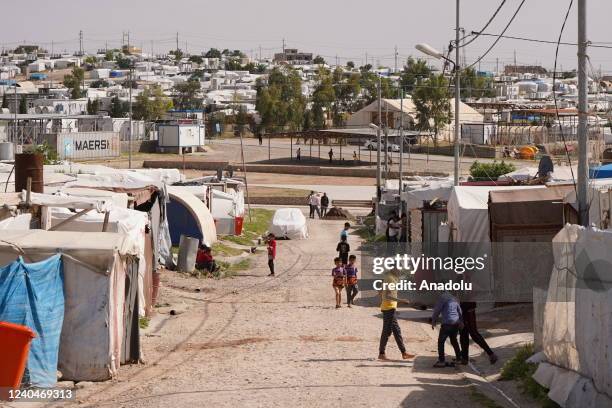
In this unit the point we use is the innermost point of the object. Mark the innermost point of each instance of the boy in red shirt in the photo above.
(205, 260)
(271, 241)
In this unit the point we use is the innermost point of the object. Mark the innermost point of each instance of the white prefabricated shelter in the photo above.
(97, 268)
(289, 223)
(468, 211)
(179, 136)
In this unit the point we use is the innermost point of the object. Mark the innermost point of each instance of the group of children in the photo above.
(344, 273)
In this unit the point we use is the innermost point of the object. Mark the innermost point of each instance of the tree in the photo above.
(91, 60)
(237, 54)
(213, 53)
(123, 62)
(241, 119)
(151, 104)
(73, 82)
(196, 59)
(109, 55)
(307, 121)
(280, 101)
(350, 64)
(23, 105)
(93, 106)
(178, 54)
(475, 86)
(186, 95)
(319, 60)
(100, 83)
(366, 68)
(119, 108)
(432, 104)
(414, 72)
(323, 97)
(233, 65)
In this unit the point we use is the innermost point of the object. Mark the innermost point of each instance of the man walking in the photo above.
(331, 154)
(470, 329)
(312, 203)
(260, 137)
(298, 154)
(324, 205)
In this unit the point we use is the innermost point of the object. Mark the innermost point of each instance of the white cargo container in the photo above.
(100, 73)
(178, 137)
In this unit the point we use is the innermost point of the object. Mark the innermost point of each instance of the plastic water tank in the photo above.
(7, 151)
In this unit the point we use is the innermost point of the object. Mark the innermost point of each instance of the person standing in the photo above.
(298, 154)
(312, 203)
(331, 154)
(470, 329)
(394, 227)
(388, 307)
(351, 280)
(448, 308)
(260, 137)
(355, 159)
(339, 280)
(324, 205)
(343, 249)
(317, 202)
(271, 241)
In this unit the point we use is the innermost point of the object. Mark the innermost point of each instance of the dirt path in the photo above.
(254, 341)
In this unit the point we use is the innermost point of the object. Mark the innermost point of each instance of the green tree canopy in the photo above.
(319, 60)
(197, 59)
(213, 53)
(475, 86)
(93, 106)
(350, 64)
(151, 104)
(73, 82)
(432, 104)
(119, 108)
(415, 71)
(187, 95)
(280, 102)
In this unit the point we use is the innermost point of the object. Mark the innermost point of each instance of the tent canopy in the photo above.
(187, 215)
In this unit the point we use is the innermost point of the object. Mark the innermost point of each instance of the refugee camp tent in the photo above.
(577, 320)
(600, 172)
(189, 216)
(415, 196)
(560, 173)
(289, 223)
(99, 318)
(468, 212)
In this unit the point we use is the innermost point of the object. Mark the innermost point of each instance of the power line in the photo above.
(485, 26)
(509, 37)
(499, 37)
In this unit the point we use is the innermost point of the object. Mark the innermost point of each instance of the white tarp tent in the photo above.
(560, 173)
(577, 324)
(94, 289)
(289, 223)
(415, 195)
(468, 211)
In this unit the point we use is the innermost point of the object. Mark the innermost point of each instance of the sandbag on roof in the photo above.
(187, 215)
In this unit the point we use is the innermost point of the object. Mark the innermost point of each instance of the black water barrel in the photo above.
(29, 165)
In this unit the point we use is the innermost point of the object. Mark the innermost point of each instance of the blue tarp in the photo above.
(600, 172)
(181, 222)
(33, 295)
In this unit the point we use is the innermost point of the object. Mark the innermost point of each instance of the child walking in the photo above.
(351, 280)
(271, 241)
(339, 280)
(343, 249)
(448, 308)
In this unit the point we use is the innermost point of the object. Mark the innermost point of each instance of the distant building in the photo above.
(524, 69)
(293, 57)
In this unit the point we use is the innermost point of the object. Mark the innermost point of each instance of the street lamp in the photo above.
(432, 52)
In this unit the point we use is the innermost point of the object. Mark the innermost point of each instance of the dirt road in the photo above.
(254, 341)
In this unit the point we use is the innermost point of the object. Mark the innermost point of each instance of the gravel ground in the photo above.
(254, 341)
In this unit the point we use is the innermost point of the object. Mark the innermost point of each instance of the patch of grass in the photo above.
(481, 399)
(143, 322)
(254, 228)
(367, 231)
(518, 369)
(221, 249)
(174, 250)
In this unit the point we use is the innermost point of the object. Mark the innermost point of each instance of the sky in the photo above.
(343, 29)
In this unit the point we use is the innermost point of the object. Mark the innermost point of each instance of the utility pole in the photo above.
(583, 107)
(81, 42)
(378, 143)
(514, 59)
(395, 54)
(457, 98)
(260, 53)
(177, 41)
(131, 86)
(497, 66)
(283, 45)
(401, 152)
